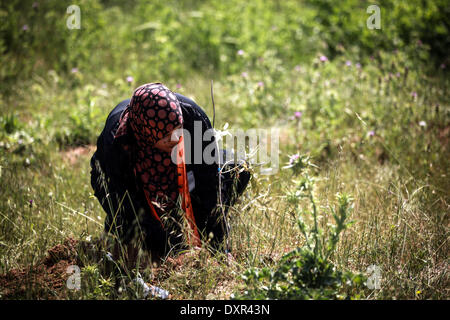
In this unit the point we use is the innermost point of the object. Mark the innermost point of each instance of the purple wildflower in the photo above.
(260, 84)
(178, 85)
(74, 70)
(298, 114)
(323, 58)
(414, 94)
(30, 203)
(358, 65)
(25, 27)
(244, 74)
(371, 133)
(240, 52)
(293, 158)
(130, 79)
(348, 63)
(422, 123)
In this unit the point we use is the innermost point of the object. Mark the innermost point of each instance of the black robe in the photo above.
(114, 183)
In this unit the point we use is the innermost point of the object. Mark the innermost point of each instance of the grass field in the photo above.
(369, 107)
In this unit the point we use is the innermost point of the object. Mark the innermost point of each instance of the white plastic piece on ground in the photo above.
(146, 290)
(153, 290)
(109, 257)
(159, 293)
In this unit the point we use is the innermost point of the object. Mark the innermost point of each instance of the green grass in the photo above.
(379, 133)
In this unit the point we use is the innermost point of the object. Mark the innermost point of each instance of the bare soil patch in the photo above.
(73, 155)
(43, 280)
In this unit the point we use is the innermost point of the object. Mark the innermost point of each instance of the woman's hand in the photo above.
(168, 142)
(165, 144)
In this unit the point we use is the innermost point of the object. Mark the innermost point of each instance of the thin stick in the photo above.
(81, 214)
(214, 106)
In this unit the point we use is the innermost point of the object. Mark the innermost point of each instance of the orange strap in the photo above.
(152, 209)
(183, 188)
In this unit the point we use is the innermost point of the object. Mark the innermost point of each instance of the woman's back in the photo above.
(117, 166)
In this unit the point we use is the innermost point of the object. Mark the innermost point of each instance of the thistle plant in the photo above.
(307, 272)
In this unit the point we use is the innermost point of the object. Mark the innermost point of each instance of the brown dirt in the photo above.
(43, 280)
(47, 278)
(72, 156)
(444, 136)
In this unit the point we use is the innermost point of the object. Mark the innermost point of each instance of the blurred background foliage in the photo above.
(125, 43)
(175, 38)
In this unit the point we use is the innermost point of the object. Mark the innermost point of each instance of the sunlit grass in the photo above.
(400, 210)
(377, 128)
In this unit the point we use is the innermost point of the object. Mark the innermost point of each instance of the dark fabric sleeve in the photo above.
(204, 197)
(205, 174)
(209, 216)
